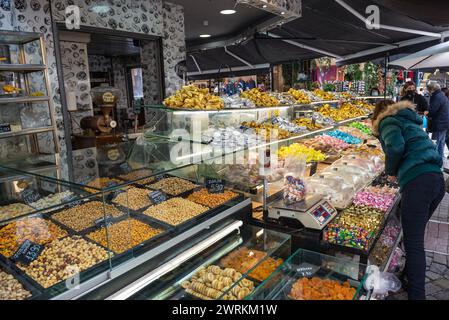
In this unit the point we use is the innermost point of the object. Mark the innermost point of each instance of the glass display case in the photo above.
(27, 123)
(229, 270)
(61, 238)
(309, 275)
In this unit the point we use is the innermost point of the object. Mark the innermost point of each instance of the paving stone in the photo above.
(431, 288)
(442, 295)
(439, 258)
(429, 261)
(429, 254)
(428, 279)
(432, 275)
(431, 298)
(442, 283)
(438, 268)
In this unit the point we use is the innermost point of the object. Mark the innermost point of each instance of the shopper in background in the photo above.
(411, 157)
(409, 93)
(438, 116)
(446, 92)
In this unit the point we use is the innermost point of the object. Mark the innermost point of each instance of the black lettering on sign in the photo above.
(30, 195)
(70, 201)
(215, 185)
(5, 127)
(27, 252)
(157, 197)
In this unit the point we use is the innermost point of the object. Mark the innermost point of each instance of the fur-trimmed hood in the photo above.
(391, 111)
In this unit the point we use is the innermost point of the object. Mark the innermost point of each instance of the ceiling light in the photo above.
(228, 11)
(282, 12)
(205, 35)
(264, 6)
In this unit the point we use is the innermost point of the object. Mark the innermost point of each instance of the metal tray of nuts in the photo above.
(142, 246)
(188, 223)
(27, 282)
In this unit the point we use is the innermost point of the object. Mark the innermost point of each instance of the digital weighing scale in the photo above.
(313, 213)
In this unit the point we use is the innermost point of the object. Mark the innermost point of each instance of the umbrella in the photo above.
(433, 57)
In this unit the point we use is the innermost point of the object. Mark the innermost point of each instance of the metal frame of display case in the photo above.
(23, 38)
(127, 266)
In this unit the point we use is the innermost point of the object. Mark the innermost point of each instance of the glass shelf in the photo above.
(23, 99)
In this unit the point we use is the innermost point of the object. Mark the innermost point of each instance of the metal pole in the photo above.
(385, 77)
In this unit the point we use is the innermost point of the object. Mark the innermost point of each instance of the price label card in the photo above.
(105, 221)
(27, 252)
(5, 127)
(215, 185)
(30, 195)
(111, 196)
(160, 177)
(126, 168)
(70, 203)
(157, 197)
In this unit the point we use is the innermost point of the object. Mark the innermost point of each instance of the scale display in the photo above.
(314, 212)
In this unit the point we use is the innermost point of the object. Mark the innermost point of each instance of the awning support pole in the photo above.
(303, 46)
(196, 63)
(387, 27)
(237, 57)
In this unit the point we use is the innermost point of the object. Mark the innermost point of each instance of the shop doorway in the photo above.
(103, 74)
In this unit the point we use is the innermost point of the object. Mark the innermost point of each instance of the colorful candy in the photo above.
(344, 137)
(298, 149)
(379, 201)
(294, 190)
(358, 125)
(326, 144)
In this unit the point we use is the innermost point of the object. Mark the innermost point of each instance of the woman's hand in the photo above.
(392, 179)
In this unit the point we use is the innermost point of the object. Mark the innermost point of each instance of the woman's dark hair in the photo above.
(381, 106)
(446, 91)
(406, 86)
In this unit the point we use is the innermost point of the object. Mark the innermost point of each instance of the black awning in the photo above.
(326, 28)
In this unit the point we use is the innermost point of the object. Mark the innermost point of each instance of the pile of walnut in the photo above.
(213, 282)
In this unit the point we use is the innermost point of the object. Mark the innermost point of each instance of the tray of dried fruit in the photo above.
(308, 275)
(65, 259)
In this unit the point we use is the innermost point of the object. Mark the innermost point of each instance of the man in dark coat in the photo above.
(438, 115)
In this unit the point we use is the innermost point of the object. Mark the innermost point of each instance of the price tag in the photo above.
(215, 185)
(126, 168)
(70, 203)
(111, 196)
(5, 127)
(27, 252)
(105, 221)
(157, 197)
(160, 177)
(30, 195)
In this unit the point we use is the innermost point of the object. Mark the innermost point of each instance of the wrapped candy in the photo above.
(294, 190)
(344, 137)
(294, 186)
(381, 202)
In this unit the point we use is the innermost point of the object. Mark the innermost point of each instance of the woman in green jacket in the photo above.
(412, 159)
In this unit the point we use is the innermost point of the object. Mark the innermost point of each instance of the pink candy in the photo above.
(332, 142)
(378, 201)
